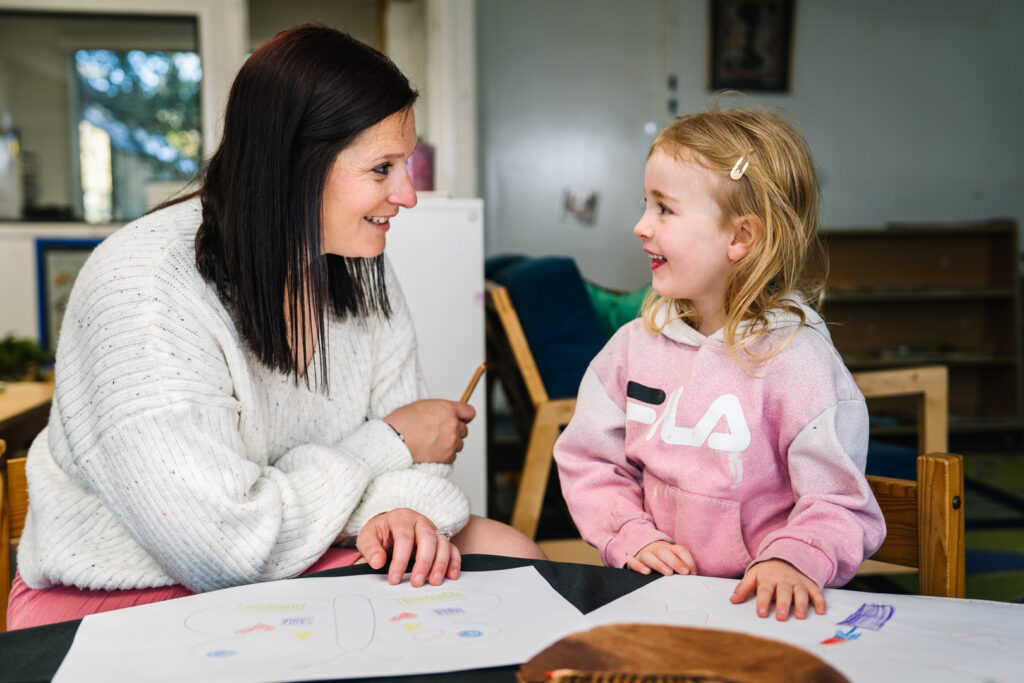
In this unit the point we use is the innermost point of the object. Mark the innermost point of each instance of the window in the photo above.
(105, 108)
(137, 125)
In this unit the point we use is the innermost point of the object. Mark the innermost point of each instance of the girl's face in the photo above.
(366, 185)
(685, 235)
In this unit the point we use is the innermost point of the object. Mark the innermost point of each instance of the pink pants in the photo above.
(28, 607)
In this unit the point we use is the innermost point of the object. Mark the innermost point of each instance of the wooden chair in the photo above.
(510, 360)
(13, 507)
(925, 524)
(924, 518)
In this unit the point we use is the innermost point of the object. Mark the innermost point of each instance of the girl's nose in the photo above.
(642, 229)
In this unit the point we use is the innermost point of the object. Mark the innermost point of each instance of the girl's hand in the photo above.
(783, 581)
(401, 531)
(433, 428)
(664, 557)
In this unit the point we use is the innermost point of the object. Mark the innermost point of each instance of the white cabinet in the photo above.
(437, 249)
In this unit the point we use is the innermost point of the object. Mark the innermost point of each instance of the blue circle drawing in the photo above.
(471, 633)
(221, 653)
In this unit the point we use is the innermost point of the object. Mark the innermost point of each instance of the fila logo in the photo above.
(641, 410)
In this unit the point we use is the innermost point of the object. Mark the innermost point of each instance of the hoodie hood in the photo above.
(778, 318)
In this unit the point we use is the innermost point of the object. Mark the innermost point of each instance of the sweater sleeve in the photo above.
(398, 380)
(835, 522)
(601, 486)
(177, 479)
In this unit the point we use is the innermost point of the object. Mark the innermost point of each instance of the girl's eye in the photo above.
(663, 209)
(383, 169)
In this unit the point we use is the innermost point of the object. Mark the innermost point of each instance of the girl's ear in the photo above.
(746, 232)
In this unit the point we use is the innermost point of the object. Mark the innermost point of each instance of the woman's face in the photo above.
(365, 186)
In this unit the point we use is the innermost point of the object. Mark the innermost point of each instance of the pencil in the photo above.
(472, 383)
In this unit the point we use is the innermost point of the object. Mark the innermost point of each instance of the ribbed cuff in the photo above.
(378, 445)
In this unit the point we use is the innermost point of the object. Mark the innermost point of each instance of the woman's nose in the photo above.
(403, 194)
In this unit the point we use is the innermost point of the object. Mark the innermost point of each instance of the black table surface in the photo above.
(34, 654)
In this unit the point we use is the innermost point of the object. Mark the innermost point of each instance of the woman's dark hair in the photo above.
(298, 100)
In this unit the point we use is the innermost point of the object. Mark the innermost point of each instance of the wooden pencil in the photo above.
(472, 383)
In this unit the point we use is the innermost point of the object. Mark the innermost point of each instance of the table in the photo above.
(24, 411)
(32, 655)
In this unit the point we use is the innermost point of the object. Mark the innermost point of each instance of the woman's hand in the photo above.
(402, 531)
(783, 581)
(433, 428)
(663, 557)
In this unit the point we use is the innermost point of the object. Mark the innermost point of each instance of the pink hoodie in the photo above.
(673, 440)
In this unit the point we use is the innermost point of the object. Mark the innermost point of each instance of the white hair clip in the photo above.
(736, 173)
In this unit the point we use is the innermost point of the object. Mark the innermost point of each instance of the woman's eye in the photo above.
(382, 169)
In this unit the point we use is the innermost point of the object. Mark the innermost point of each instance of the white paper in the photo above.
(866, 636)
(314, 628)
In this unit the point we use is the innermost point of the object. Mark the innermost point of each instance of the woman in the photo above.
(237, 382)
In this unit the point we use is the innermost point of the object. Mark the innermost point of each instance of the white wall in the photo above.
(912, 110)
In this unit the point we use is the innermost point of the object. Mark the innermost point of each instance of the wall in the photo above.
(911, 109)
(267, 17)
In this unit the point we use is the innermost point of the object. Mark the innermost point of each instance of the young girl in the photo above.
(721, 433)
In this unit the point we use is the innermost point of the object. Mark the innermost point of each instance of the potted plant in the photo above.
(22, 359)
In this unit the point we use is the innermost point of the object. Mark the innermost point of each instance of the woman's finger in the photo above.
(442, 556)
(454, 562)
(426, 547)
(404, 541)
(370, 544)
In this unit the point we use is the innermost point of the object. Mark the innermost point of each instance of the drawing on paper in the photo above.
(299, 627)
(870, 616)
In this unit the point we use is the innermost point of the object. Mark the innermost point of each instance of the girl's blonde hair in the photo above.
(780, 187)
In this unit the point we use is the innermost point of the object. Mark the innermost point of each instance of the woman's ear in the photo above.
(746, 232)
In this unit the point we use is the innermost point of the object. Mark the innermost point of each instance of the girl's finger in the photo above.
(765, 591)
(800, 601)
(783, 599)
(638, 566)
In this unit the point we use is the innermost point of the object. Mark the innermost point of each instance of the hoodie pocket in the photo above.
(708, 527)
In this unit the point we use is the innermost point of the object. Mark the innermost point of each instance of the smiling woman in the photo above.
(238, 389)
(367, 184)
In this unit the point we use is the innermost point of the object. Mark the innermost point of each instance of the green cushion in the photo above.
(615, 309)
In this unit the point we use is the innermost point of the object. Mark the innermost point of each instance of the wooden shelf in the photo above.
(900, 295)
(948, 294)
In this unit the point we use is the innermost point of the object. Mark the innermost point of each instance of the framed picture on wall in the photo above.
(751, 44)
(57, 264)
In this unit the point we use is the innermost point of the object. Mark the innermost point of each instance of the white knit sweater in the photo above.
(173, 456)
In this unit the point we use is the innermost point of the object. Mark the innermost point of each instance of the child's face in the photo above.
(685, 235)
